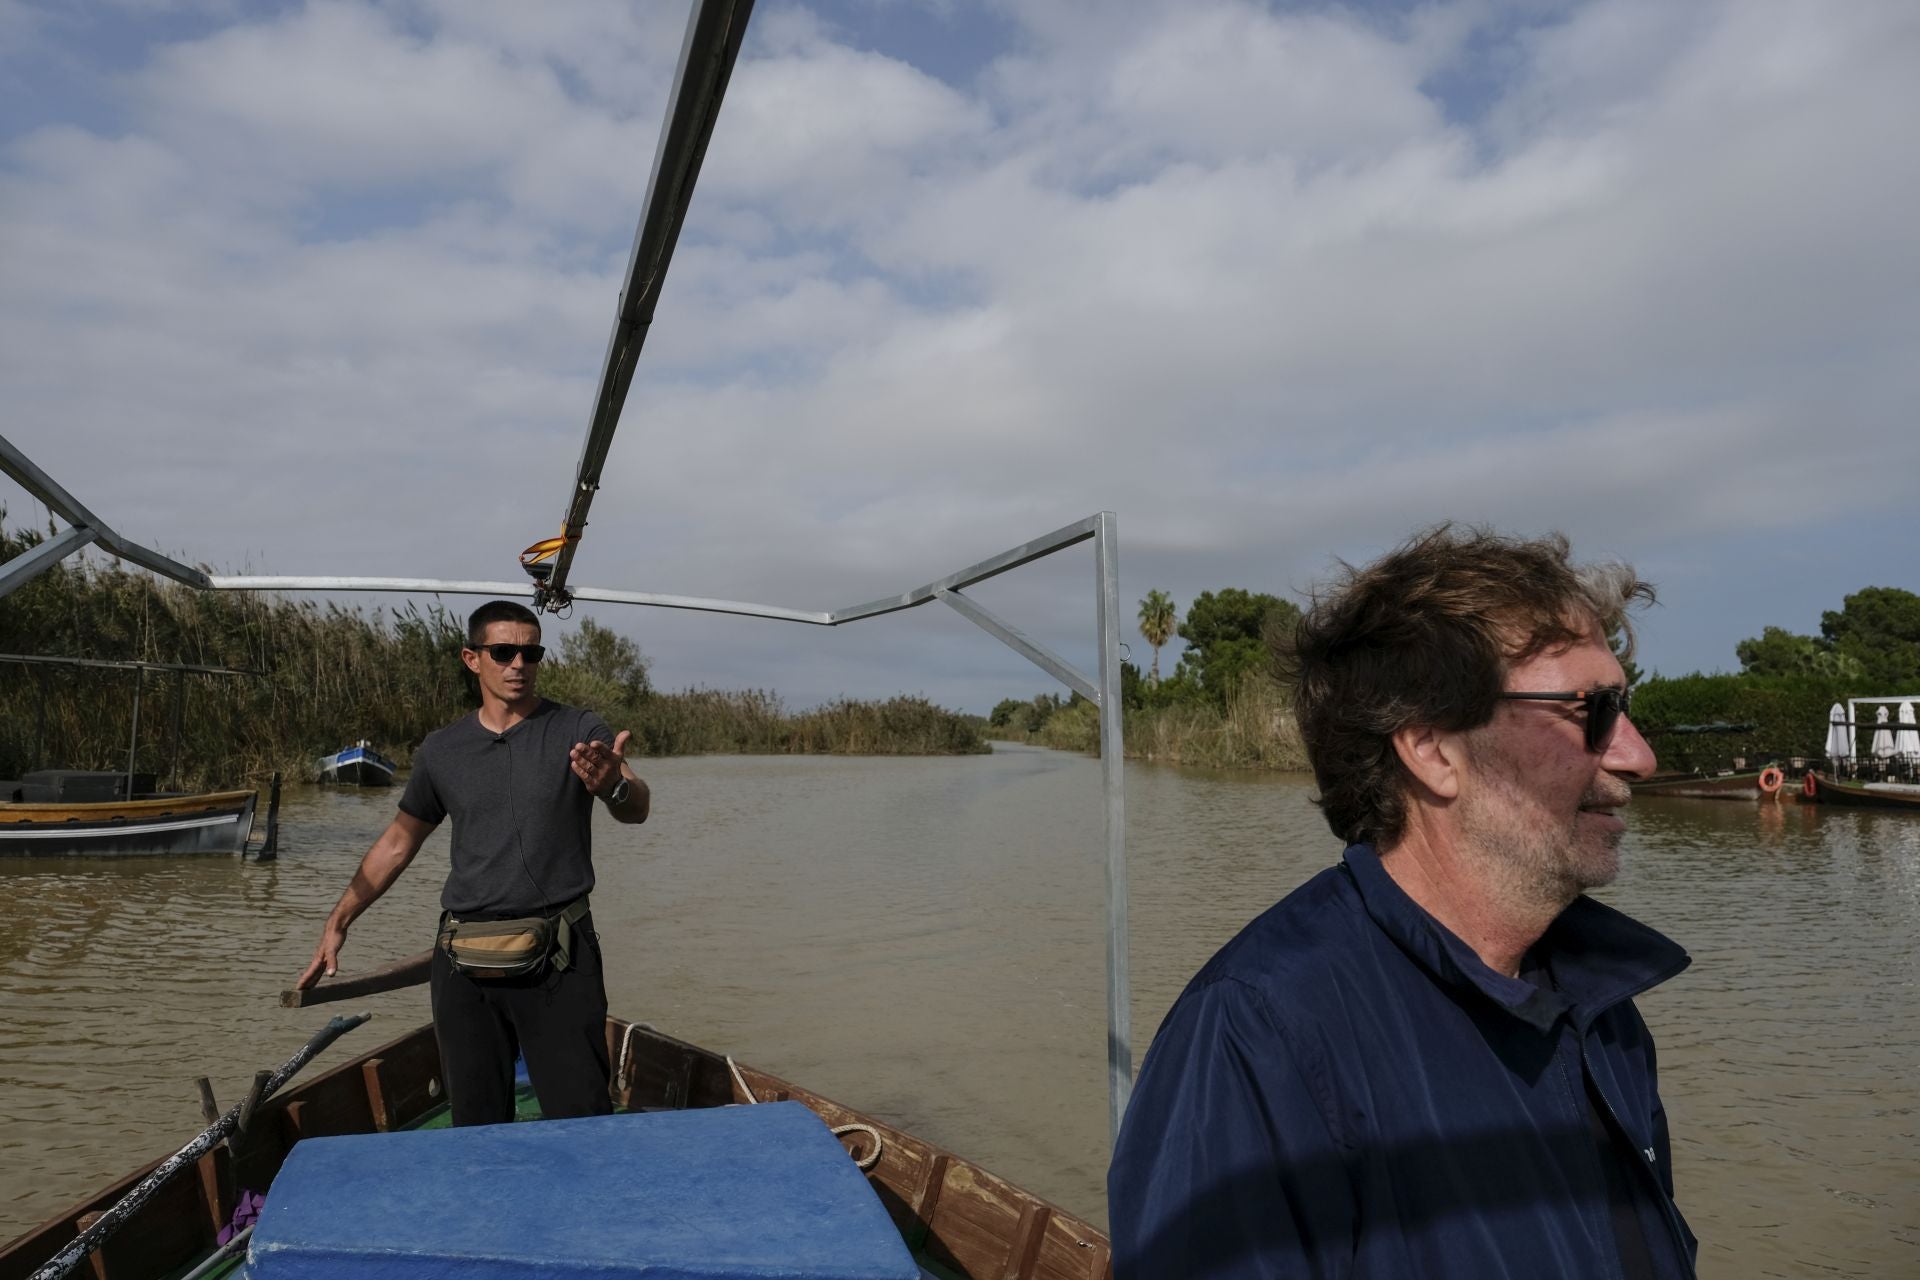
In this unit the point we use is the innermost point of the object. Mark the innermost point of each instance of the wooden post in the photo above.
(133, 745)
(179, 699)
(209, 1109)
(271, 849)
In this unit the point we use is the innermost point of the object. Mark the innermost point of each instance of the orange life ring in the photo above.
(1770, 779)
(1809, 785)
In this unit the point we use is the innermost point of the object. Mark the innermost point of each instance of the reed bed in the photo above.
(1255, 730)
(320, 676)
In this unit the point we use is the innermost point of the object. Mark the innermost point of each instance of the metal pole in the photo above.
(179, 699)
(29, 564)
(133, 745)
(40, 722)
(1113, 765)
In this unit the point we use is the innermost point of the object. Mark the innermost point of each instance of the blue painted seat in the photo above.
(732, 1192)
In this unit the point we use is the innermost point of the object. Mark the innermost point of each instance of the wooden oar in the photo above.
(109, 1222)
(410, 972)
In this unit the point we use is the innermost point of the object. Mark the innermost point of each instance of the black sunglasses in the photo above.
(1604, 708)
(503, 653)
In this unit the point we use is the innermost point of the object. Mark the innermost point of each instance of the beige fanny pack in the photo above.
(509, 948)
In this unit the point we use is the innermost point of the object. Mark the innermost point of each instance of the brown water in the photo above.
(922, 939)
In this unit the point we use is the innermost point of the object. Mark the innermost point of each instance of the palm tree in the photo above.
(1158, 618)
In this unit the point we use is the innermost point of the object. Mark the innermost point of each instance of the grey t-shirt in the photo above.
(521, 817)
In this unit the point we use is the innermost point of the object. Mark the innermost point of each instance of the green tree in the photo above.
(606, 655)
(1879, 628)
(1779, 652)
(1005, 711)
(1158, 618)
(1228, 634)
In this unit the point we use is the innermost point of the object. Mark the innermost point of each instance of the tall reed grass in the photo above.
(322, 676)
(1256, 730)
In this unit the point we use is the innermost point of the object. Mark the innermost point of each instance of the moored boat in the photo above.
(213, 822)
(356, 766)
(1824, 789)
(958, 1219)
(1742, 785)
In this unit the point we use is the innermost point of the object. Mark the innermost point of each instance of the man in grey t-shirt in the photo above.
(519, 778)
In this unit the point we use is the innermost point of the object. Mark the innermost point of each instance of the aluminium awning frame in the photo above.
(1102, 689)
(715, 30)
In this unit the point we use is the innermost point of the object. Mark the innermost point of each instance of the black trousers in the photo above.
(557, 1021)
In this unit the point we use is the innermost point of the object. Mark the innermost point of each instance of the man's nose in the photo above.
(1628, 754)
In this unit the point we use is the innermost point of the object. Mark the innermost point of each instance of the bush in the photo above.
(1788, 714)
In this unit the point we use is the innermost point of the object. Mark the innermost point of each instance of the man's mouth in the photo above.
(1604, 805)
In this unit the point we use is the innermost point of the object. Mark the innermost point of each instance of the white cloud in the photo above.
(1240, 275)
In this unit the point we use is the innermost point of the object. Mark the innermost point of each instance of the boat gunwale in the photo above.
(968, 1221)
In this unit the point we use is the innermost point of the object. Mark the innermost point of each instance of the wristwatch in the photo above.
(618, 796)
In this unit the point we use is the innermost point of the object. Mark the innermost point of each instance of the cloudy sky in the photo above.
(324, 288)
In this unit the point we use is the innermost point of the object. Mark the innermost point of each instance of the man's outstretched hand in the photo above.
(326, 956)
(598, 765)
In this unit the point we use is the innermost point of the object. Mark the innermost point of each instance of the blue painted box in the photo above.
(757, 1191)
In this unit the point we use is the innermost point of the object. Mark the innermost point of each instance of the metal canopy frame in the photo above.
(84, 529)
(715, 29)
(714, 33)
(1102, 689)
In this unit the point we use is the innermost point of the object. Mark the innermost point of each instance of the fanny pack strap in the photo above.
(573, 914)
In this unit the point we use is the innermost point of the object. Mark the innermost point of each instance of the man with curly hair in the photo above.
(1426, 1061)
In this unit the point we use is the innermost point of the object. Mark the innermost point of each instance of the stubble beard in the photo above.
(1536, 861)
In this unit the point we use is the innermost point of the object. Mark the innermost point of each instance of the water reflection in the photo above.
(922, 938)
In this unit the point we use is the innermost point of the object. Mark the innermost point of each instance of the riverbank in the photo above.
(319, 677)
(1255, 730)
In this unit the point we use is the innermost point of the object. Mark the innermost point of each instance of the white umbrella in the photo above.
(1882, 738)
(1907, 741)
(1839, 735)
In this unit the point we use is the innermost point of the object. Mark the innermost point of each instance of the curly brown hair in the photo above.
(1425, 636)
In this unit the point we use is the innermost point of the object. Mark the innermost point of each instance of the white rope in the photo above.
(872, 1158)
(740, 1079)
(626, 1054)
(863, 1163)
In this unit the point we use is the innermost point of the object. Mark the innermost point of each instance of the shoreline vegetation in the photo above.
(1223, 707)
(1226, 705)
(326, 676)
(1254, 729)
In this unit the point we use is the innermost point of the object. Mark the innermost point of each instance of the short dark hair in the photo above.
(1425, 636)
(497, 611)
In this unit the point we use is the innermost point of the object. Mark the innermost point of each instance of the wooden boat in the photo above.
(356, 766)
(1870, 795)
(958, 1219)
(214, 822)
(1744, 785)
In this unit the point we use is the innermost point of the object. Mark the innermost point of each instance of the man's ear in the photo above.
(1435, 758)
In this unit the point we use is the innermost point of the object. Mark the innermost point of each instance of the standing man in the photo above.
(1426, 1060)
(519, 778)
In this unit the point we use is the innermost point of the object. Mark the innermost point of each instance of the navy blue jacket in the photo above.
(1346, 1090)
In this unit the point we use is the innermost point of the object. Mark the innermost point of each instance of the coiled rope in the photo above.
(864, 1163)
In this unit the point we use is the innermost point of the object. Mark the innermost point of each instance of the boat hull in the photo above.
(1858, 795)
(1732, 786)
(356, 767)
(217, 822)
(954, 1215)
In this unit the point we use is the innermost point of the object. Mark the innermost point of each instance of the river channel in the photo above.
(922, 939)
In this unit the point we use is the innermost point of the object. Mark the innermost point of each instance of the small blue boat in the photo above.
(356, 766)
